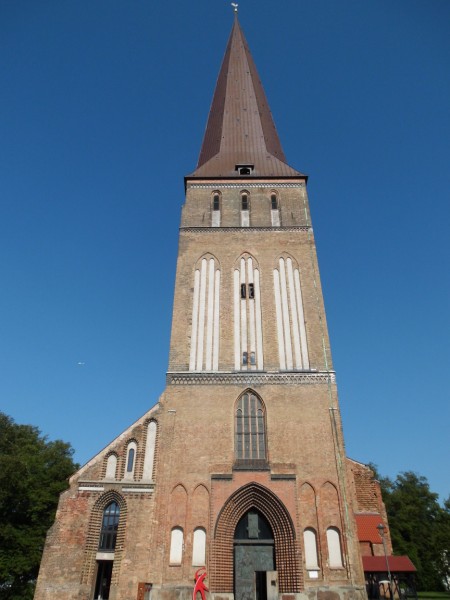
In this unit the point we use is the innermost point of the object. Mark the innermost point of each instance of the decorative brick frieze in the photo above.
(245, 229)
(251, 379)
(244, 184)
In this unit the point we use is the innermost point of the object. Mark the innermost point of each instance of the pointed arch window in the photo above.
(215, 213)
(291, 324)
(311, 555)
(245, 209)
(250, 429)
(275, 209)
(204, 351)
(130, 460)
(334, 548)
(110, 524)
(248, 346)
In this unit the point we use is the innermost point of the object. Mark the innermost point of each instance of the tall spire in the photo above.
(240, 128)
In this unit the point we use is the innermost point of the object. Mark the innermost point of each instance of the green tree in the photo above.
(419, 526)
(33, 472)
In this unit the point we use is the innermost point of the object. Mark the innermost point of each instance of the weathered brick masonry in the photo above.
(243, 454)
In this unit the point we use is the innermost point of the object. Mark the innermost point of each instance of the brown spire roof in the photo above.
(240, 128)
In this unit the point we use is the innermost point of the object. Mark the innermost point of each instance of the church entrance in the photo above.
(254, 559)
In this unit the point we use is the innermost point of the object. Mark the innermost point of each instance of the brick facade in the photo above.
(199, 482)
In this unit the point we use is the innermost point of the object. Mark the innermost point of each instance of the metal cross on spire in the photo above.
(235, 6)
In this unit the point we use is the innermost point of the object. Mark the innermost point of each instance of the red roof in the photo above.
(397, 564)
(367, 528)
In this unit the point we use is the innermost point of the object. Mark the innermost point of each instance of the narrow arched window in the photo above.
(130, 462)
(215, 205)
(110, 523)
(245, 209)
(111, 465)
(176, 546)
(274, 201)
(334, 548)
(250, 429)
(199, 548)
(310, 543)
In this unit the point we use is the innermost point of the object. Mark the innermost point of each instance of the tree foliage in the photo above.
(419, 526)
(33, 472)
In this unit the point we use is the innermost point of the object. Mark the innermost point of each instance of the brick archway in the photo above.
(254, 495)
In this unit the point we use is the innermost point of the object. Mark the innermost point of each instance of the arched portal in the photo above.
(257, 499)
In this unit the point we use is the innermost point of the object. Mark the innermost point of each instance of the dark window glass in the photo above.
(244, 199)
(250, 428)
(253, 525)
(243, 290)
(244, 171)
(244, 358)
(274, 201)
(251, 291)
(110, 524)
(252, 358)
(130, 461)
(216, 202)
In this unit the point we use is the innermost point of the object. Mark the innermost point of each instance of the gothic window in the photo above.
(291, 328)
(176, 546)
(311, 556)
(215, 213)
(245, 209)
(250, 428)
(130, 460)
(275, 212)
(150, 451)
(111, 466)
(334, 548)
(199, 547)
(204, 352)
(248, 348)
(110, 524)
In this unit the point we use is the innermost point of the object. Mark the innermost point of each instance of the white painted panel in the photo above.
(294, 315)
(285, 312)
(243, 316)
(245, 218)
(201, 317)
(111, 465)
(176, 546)
(216, 339)
(310, 542)
(194, 321)
(149, 451)
(237, 321)
(276, 285)
(251, 315)
(210, 316)
(259, 343)
(275, 216)
(199, 548)
(334, 548)
(215, 218)
(301, 320)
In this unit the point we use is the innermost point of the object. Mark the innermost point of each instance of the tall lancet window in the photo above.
(248, 348)
(250, 440)
(291, 331)
(204, 354)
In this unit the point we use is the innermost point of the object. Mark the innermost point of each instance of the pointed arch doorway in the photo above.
(254, 558)
(274, 522)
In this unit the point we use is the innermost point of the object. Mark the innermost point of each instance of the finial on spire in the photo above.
(235, 6)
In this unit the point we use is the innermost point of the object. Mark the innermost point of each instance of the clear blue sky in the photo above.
(103, 106)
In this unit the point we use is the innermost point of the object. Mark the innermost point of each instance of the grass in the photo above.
(434, 595)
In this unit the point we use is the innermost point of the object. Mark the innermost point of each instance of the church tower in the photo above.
(240, 468)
